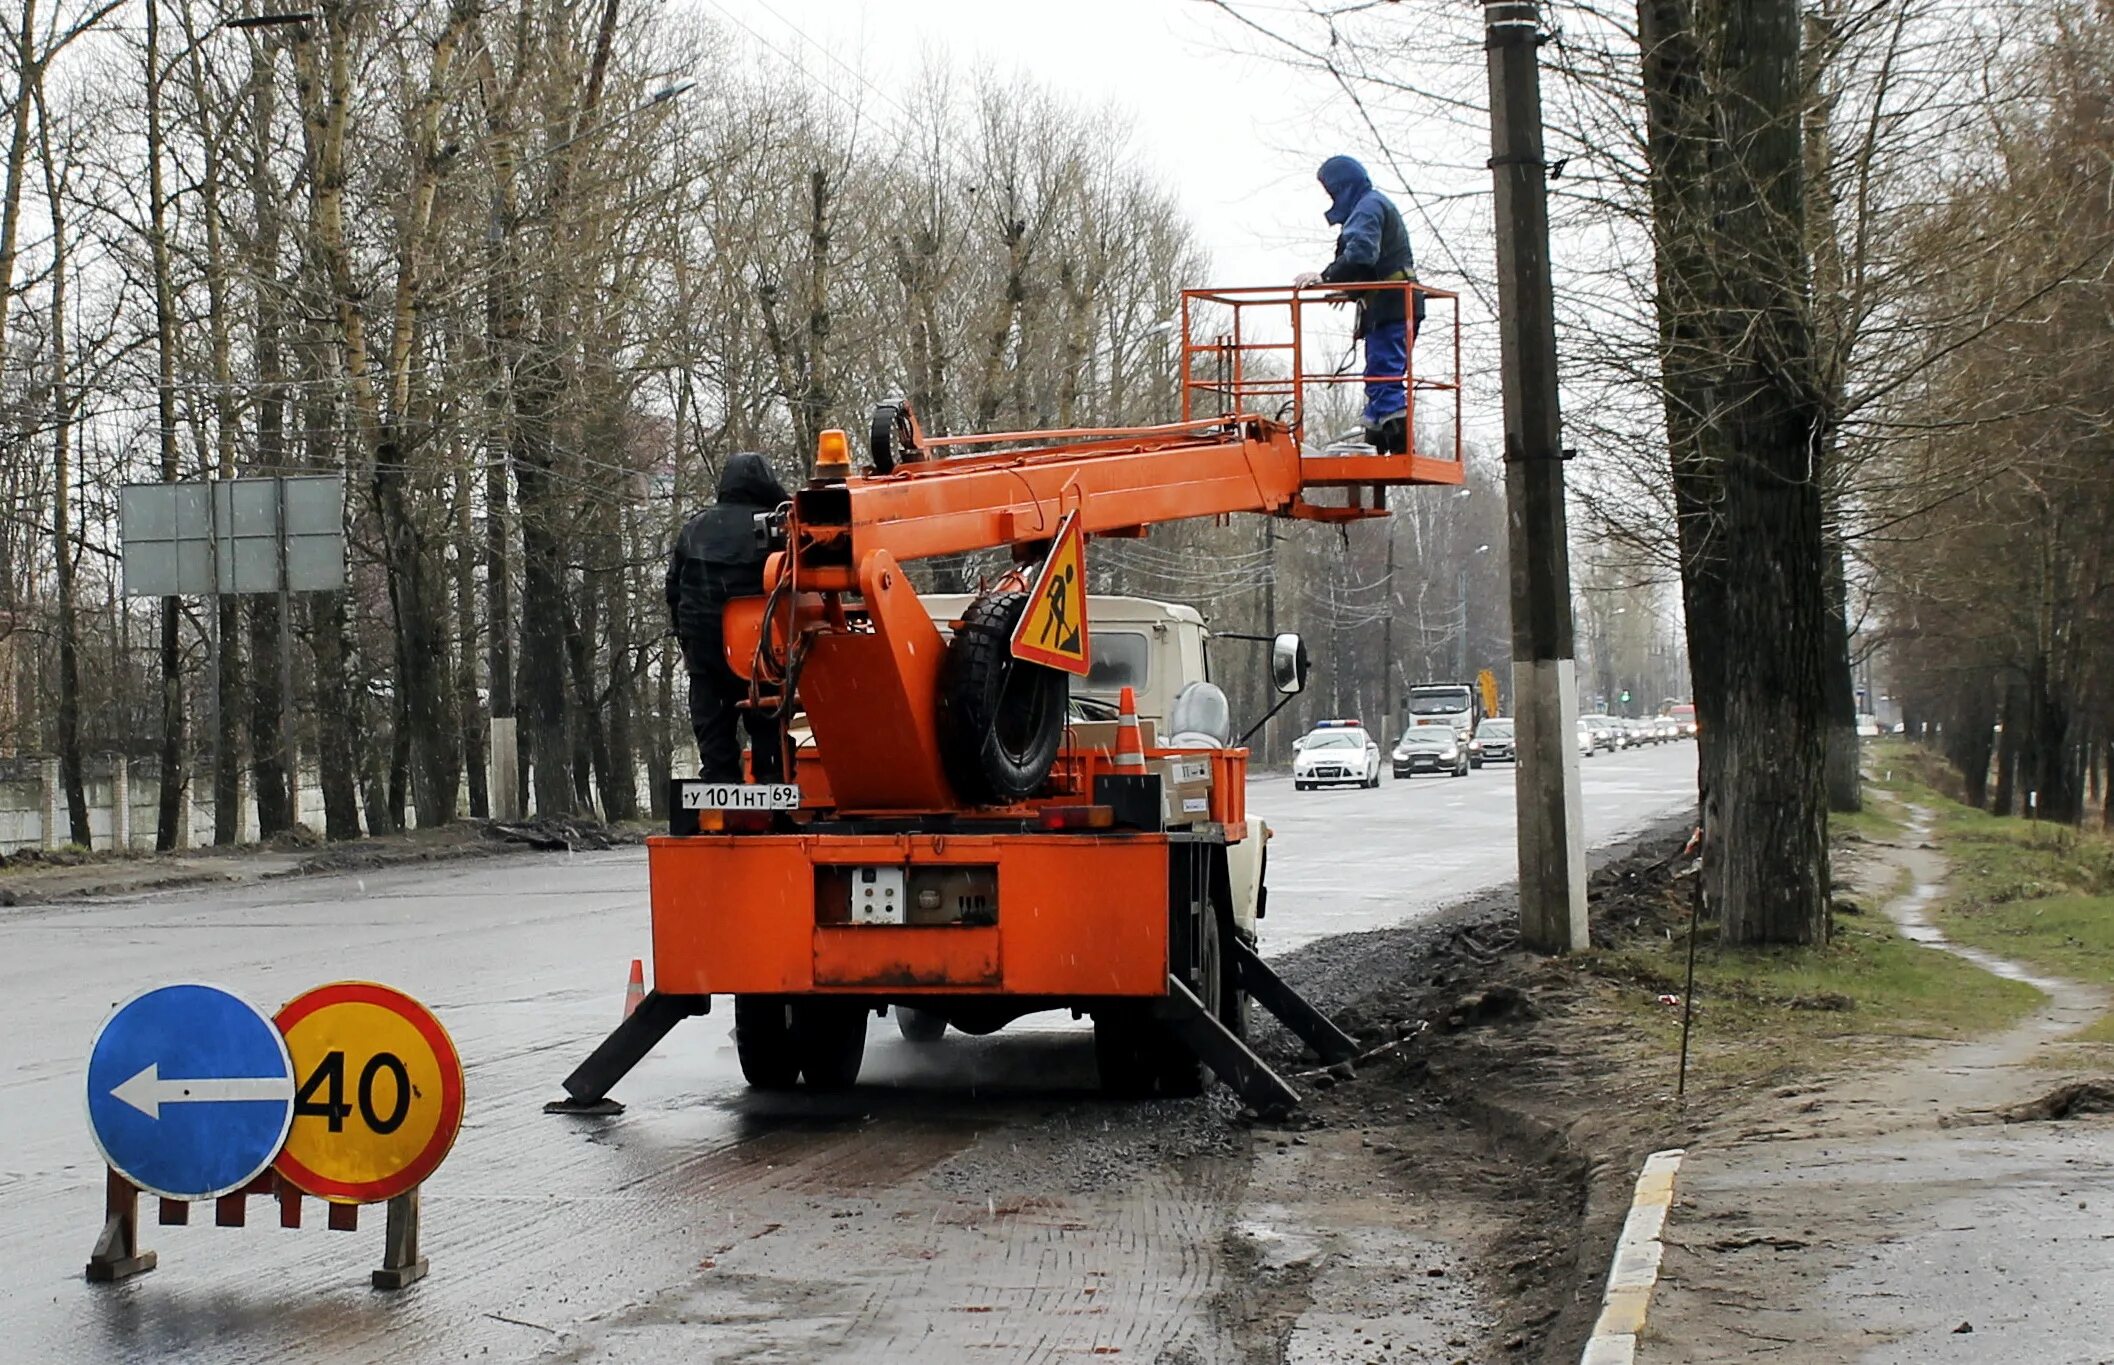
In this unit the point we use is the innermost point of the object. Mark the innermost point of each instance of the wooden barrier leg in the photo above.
(401, 1263)
(117, 1254)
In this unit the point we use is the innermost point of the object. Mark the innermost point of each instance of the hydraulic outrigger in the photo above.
(955, 845)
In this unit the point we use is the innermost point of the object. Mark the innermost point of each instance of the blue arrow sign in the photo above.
(190, 1091)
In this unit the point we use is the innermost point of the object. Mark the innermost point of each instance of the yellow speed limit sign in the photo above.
(377, 1092)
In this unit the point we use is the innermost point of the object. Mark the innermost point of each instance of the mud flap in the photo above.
(587, 1089)
(1309, 1025)
(1203, 1033)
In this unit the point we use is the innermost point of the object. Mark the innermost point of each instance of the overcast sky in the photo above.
(1233, 133)
(1238, 135)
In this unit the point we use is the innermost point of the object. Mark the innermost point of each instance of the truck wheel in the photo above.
(1124, 1053)
(891, 440)
(829, 1037)
(919, 1026)
(1001, 718)
(763, 1040)
(1181, 1074)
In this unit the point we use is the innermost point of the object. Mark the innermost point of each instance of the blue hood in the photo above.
(1346, 181)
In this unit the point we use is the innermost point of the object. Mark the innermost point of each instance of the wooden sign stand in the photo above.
(117, 1253)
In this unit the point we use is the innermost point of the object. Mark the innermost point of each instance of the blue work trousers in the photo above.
(1386, 353)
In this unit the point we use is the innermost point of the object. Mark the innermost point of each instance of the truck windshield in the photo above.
(1117, 659)
(1443, 702)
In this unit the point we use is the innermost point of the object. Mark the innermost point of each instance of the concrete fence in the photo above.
(123, 807)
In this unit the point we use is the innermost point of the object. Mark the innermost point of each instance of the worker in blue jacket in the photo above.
(1372, 244)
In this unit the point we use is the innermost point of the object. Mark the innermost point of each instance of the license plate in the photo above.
(740, 796)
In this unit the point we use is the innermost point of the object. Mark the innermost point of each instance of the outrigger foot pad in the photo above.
(587, 1089)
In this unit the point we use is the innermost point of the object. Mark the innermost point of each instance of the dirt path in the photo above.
(1893, 1217)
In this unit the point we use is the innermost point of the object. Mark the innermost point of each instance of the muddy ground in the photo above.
(1438, 1201)
(1495, 1093)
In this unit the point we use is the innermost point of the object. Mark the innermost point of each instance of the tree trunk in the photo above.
(270, 706)
(1968, 740)
(29, 74)
(427, 731)
(1845, 791)
(1723, 101)
(543, 612)
(590, 741)
(169, 815)
(69, 698)
(468, 714)
(660, 755)
(337, 707)
(400, 747)
(620, 783)
(2013, 721)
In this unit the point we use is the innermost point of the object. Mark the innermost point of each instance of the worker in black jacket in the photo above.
(1372, 244)
(719, 556)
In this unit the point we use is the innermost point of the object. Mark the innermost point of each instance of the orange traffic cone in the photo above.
(635, 991)
(1130, 746)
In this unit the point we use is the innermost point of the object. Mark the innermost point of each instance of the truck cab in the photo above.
(1457, 704)
(1156, 649)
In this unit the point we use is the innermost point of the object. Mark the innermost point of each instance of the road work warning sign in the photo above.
(380, 1092)
(1052, 630)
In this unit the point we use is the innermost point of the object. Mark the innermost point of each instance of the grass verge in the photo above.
(1769, 1014)
(1764, 1014)
(2039, 894)
(2042, 894)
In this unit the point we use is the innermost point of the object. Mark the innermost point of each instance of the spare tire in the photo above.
(1001, 719)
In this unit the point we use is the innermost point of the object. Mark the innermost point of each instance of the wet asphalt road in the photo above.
(543, 1230)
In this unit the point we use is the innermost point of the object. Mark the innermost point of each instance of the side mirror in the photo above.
(1288, 664)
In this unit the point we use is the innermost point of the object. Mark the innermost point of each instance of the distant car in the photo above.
(1667, 728)
(1586, 743)
(1492, 743)
(1430, 749)
(1684, 715)
(1335, 752)
(1605, 734)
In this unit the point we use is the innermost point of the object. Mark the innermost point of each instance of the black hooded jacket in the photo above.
(718, 554)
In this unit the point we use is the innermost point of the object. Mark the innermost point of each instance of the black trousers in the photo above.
(716, 694)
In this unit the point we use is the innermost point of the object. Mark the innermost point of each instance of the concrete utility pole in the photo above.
(1552, 870)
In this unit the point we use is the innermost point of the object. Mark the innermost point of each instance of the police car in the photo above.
(1336, 751)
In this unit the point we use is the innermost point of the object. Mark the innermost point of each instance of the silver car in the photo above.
(1493, 743)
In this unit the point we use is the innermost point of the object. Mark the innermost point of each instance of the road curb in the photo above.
(1636, 1269)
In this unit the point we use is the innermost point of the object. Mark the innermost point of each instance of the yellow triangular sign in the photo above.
(1052, 630)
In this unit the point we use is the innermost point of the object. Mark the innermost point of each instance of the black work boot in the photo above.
(1391, 437)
